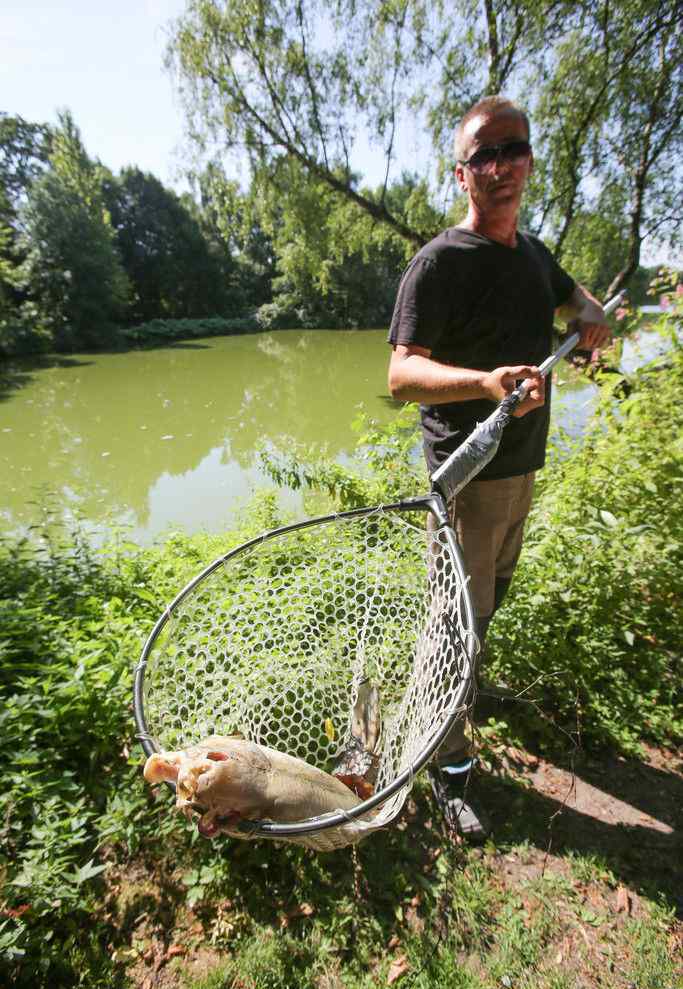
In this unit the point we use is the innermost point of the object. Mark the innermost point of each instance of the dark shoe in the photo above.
(453, 792)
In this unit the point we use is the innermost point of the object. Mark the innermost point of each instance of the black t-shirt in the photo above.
(478, 304)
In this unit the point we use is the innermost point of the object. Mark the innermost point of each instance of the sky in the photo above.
(104, 63)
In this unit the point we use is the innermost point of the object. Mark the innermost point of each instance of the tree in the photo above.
(9, 278)
(297, 80)
(650, 116)
(24, 152)
(254, 77)
(336, 265)
(170, 263)
(24, 149)
(609, 116)
(76, 285)
(233, 218)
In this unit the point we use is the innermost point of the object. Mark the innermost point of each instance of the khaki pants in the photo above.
(488, 517)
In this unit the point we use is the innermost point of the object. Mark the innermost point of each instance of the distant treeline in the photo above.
(89, 259)
(93, 259)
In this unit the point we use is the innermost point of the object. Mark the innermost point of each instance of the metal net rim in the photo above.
(353, 823)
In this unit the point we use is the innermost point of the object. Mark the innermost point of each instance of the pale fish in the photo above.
(226, 780)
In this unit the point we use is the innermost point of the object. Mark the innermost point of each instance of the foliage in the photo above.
(255, 78)
(303, 83)
(82, 251)
(589, 251)
(336, 263)
(612, 109)
(10, 279)
(99, 875)
(232, 219)
(601, 573)
(74, 277)
(24, 151)
(162, 330)
(293, 91)
(64, 706)
(170, 264)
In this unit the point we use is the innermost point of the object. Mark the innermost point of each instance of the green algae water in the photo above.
(168, 438)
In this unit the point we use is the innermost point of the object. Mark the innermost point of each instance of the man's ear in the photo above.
(460, 177)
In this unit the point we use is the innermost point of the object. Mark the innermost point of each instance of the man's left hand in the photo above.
(595, 334)
(588, 320)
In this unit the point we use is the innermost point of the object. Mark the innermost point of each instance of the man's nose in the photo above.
(501, 164)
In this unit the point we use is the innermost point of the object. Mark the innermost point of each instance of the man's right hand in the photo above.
(415, 377)
(503, 380)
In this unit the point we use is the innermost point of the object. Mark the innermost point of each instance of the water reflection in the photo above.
(168, 437)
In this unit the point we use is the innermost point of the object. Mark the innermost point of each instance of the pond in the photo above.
(168, 438)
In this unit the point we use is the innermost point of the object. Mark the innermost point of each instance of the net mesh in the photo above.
(274, 643)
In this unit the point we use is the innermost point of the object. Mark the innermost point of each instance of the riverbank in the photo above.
(154, 333)
(103, 885)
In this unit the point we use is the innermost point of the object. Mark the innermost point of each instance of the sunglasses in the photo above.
(484, 159)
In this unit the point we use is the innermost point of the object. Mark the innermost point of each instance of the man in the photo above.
(474, 313)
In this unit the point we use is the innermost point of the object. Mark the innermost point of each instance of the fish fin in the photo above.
(366, 720)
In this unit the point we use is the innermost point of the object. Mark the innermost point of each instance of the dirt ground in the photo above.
(626, 815)
(628, 812)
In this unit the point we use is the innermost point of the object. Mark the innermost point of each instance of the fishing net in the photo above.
(273, 641)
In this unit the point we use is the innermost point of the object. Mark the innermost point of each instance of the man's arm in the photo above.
(414, 376)
(584, 310)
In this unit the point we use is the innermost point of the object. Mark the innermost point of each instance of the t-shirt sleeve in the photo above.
(422, 306)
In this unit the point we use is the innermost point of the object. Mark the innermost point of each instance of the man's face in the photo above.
(502, 184)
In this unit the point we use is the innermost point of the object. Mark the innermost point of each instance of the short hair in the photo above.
(488, 106)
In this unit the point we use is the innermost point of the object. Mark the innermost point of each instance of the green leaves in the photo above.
(87, 871)
(303, 84)
(203, 881)
(74, 275)
(600, 574)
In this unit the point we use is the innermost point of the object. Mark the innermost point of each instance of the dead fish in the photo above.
(228, 779)
(225, 780)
